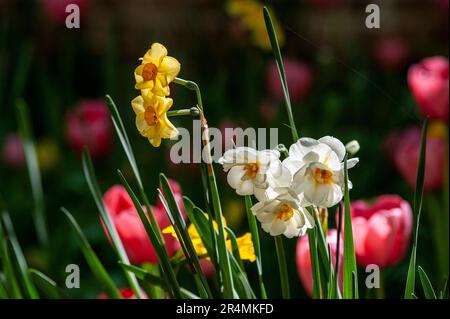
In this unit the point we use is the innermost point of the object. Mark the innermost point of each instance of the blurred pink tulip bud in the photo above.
(403, 149)
(381, 231)
(130, 228)
(303, 259)
(13, 155)
(208, 268)
(56, 9)
(392, 52)
(126, 293)
(428, 81)
(299, 76)
(89, 123)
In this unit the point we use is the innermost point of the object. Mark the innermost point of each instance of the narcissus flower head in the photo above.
(151, 118)
(156, 71)
(318, 169)
(252, 172)
(283, 215)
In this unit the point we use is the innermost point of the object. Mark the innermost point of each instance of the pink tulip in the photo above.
(392, 52)
(381, 231)
(89, 123)
(428, 81)
(56, 9)
(404, 147)
(13, 155)
(299, 77)
(126, 293)
(303, 259)
(130, 228)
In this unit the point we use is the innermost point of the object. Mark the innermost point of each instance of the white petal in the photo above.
(336, 145)
(245, 188)
(278, 227)
(235, 175)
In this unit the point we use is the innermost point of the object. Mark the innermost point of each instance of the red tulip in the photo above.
(56, 9)
(13, 155)
(298, 76)
(207, 267)
(428, 81)
(126, 293)
(381, 231)
(89, 123)
(392, 52)
(130, 228)
(303, 259)
(404, 147)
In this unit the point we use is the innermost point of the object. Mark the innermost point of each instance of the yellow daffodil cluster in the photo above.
(249, 12)
(153, 77)
(244, 243)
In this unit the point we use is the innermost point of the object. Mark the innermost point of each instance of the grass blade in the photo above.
(279, 62)
(349, 263)
(25, 132)
(117, 244)
(426, 284)
(312, 238)
(47, 285)
(94, 263)
(18, 259)
(284, 276)
(418, 195)
(144, 274)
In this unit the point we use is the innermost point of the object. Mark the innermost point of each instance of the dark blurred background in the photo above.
(353, 86)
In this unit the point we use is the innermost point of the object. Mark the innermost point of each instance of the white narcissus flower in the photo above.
(283, 215)
(254, 172)
(318, 170)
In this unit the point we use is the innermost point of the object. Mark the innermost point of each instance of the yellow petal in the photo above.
(141, 124)
(138, 105)
(169, 67)
(246, 248)
(161, 88)
(155, 55)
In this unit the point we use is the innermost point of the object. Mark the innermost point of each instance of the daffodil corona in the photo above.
(151, 118)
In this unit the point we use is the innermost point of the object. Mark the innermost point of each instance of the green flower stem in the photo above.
(284, 277)
(224, 261)
(255, 238)
(184, 112)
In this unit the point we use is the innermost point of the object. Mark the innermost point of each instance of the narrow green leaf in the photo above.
(21, 71)
(349, 263)
(3, 291)
(11, 283)
(312, 238)
(144, 274)
(106, 218)
(47, 285)
(26, 136)
(18, 259)
(176, 218)
(253, 226)
(418, 195)
(94, 263)
(426, 284)
(279, 62)
(160, 250)
(188, 294)
(284, 276)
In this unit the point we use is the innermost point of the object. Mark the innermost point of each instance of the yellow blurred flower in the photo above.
(244, 243)
(156, 71)
(151, 118)
(437, 129)
(47, 153)
(250, 12)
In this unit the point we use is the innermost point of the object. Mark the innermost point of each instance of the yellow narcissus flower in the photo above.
(151, 118)
(244, 243)
(156, 71)
(251, 14)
